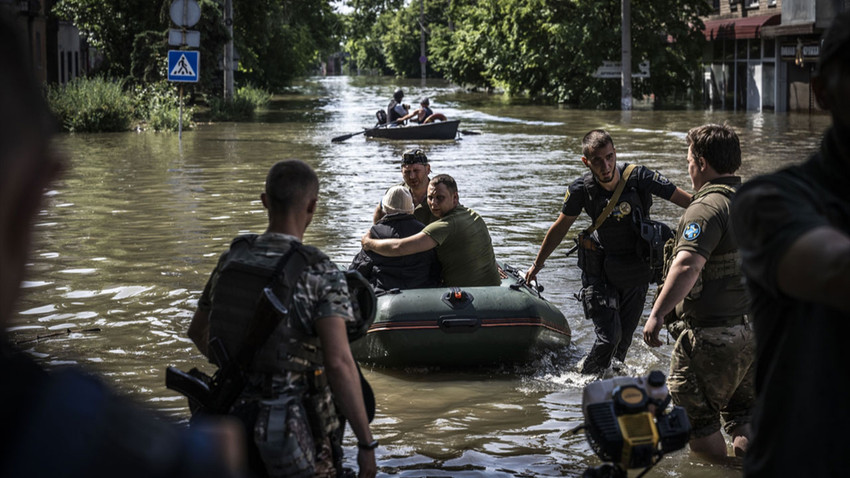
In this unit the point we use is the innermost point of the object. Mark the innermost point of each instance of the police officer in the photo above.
(614, 276)
(311, 343)
(711, 370)
(793, 228)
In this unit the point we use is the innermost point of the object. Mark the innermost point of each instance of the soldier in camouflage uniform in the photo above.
(712, 367)
(286, 378)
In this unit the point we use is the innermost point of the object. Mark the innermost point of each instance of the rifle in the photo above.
(215, 395)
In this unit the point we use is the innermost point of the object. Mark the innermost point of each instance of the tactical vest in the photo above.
(618, 234)
(718, 266)
(242, 277)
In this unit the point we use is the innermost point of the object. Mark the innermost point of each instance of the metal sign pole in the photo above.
(180, 116)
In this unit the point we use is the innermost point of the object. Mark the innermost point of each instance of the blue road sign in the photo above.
(183, 65)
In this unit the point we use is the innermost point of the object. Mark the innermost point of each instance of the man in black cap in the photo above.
(793, 230)
(414, 170)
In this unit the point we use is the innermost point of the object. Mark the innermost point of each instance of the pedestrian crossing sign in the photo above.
(183, 65)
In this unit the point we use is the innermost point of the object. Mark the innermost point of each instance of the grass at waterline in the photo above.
(246, 100)
(157, 104)
(92, 104)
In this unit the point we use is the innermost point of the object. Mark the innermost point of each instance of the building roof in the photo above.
(739, 28)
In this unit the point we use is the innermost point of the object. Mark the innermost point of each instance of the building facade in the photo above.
(760, 54)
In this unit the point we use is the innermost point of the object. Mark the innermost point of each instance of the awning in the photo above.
(739, 28)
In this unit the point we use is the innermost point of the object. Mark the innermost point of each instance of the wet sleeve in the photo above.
(439, 231)
(574, 198)
(768, 215)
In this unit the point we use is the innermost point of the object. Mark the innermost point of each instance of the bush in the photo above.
(158, 105)
(246, 100)
(92, 104)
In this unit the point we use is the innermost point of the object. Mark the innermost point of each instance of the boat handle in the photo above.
(454, 324)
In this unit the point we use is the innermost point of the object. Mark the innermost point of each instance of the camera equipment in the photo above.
(627, 423)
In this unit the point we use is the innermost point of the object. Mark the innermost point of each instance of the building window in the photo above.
(771, 3)
(715, 4)
(752, 3)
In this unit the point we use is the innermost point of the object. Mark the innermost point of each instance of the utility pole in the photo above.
(228, 52)
(422, 57)
(626, 59)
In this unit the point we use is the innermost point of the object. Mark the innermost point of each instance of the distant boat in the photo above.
(457, 327)
(435, 130)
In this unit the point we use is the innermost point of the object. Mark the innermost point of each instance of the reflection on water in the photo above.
(129, 236)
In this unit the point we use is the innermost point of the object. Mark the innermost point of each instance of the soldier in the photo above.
(310, 344)
(793, 227)
(614, 277)
(711, 369)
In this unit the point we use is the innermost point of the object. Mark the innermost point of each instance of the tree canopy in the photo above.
(543, 48)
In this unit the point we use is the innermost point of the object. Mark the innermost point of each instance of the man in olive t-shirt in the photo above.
(460, 237)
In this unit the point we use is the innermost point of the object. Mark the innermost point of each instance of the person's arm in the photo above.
(378, 214)
(681, 197)
(199, 330)
(345, 384)
(419, 242)
(556, 233)
(816, 268)
(681, 278)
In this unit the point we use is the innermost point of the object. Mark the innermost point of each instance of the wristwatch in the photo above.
(368, 446)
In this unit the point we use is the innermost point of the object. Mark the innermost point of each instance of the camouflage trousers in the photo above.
(712, 375)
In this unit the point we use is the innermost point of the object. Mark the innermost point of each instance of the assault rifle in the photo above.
(215, 395)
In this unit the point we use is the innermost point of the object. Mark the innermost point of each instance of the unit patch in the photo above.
(692, 231)
(660, 179)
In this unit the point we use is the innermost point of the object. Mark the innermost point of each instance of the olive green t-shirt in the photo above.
(705, 229)
(464, 249)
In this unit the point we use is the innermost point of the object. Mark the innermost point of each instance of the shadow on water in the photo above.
(129, 236)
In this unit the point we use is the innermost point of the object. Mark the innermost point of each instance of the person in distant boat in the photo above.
(415, 271)
(460, 237)
(396, 110)
(414, 171)
(67, 421)
(424, 114)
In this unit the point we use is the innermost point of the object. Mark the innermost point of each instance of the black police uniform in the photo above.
(616, 278)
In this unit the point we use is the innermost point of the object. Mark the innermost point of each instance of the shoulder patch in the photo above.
(660, 178)
(567, 196)
(691, 232)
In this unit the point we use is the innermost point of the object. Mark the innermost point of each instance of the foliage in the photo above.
(157, 104)
(246, 100)
(96, 104)
(277, 40)
(547, 49)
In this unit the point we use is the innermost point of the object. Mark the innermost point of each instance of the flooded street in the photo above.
(133, 230)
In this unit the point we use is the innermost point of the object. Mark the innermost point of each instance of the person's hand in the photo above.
(531, 273)
(366, 463)
(364, 241)
(651, 330)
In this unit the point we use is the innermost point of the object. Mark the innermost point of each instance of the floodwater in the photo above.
(129, 236)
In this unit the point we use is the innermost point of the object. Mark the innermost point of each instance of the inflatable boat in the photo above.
(462, 327)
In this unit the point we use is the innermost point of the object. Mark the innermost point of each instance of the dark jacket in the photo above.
(415, 271)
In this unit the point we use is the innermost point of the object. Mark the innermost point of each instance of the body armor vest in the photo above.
(718, 266)
(618, 234)
(243, 275)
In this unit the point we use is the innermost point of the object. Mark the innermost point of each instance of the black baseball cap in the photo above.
(414, 156)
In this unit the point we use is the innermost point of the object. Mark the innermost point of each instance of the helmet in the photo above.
(399, 94)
